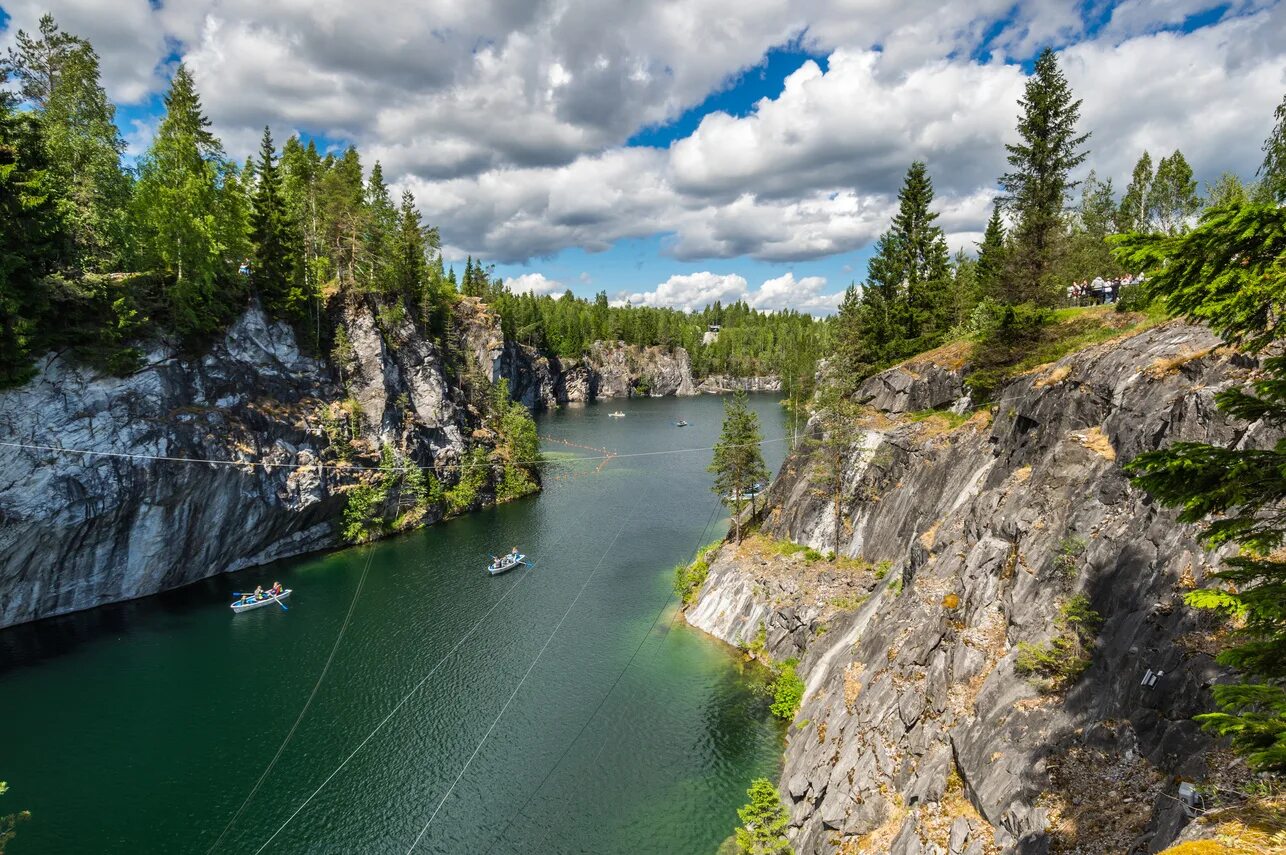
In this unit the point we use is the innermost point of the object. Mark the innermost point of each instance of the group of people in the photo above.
(1100, 290)
(505, 559)
(261, 594)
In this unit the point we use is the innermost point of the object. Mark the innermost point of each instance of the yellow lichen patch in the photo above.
(1096, 441)
(1166, 365)
(852, 684)
(953, 356)
(951, 601)
(1203, 847)
(1255, 826)
(930, 535)
(1054, 377)
(1022, 474)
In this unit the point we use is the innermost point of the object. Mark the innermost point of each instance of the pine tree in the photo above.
(991, 257)
(1132, 216)
(176, 207)
(1228, 274)
(763, 822)
(39, 63)
(1272, 172)
(1172, 200)
(1036, 187)
(275, 238)
(738, 464)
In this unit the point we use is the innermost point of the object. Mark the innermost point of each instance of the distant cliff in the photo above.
(608, 370)
(962, 540)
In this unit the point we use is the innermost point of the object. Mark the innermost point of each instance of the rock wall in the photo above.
(78, 531)
(609, 370)
(920, 735)
(719, 384)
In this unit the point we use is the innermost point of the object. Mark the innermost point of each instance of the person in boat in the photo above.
(275, 590)
(258, 592)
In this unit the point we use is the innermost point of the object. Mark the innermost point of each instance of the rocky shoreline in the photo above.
(963, 539)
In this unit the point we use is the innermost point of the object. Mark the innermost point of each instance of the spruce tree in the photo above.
(991, 257)
(59, 76)
(1089, 254)
(1037, 184)
(763, 822)
(274, 272)
(1132, 216)
(177, 207)
(1172, 200)
(381, 222)
(1228, 189)
(738, 464)
(31, 235)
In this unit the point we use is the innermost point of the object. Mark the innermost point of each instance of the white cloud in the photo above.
(785, 292)
(693, 291)
(534, 283)
(508, 119)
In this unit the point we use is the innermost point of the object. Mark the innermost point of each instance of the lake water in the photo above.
(141, 727)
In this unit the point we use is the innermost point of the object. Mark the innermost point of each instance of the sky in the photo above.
(674, 152)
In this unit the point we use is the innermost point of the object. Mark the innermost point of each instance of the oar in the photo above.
(280, 603)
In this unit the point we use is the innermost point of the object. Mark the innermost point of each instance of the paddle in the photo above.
(280, 603)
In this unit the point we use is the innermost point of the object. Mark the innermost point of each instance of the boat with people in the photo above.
(681, 423)
(505, 563)
(616, 415)
(260, 598)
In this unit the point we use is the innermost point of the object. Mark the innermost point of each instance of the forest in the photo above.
(97, 257)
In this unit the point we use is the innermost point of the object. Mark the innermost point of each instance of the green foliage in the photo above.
(909, 299)
(764, 821)
(1228, 272)
(688, 579)
(1272, 173)
(759, 643)
(1132, 215)
(395, 500)
(31, 231)
(475, 472)
(275, 272)
(738, 463)
(9, 823)
(1037, 184)
(1173, 199)
(992, 259)
(787, 691)
(1059, 662)
(1070, 549)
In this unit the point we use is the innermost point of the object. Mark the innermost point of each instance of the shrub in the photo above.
(787, 691)
(1059, 662)
(688, 579)
(1070, 548)
(474, 472)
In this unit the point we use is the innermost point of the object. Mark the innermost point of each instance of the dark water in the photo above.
(142, 727)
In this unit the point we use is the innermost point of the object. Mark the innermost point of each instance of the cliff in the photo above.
(78, 531)
(962, 539)
(608, 370)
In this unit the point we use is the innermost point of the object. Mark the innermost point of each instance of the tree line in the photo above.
(1040, 236)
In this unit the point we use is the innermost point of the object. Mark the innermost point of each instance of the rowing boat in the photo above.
(507, 563)
(268, 600)
(616, 415)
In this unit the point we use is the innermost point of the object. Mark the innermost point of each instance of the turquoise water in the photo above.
(142, 727)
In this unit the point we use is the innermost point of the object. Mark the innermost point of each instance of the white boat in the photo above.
(505, 563)
(680, 423)
(268, 600)
(616, 415)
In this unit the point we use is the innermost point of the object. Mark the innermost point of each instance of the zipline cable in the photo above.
(343, 628)
(413, 690)
(625, 521)
(523, 807)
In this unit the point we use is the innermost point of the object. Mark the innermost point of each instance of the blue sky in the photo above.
(712, 146)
